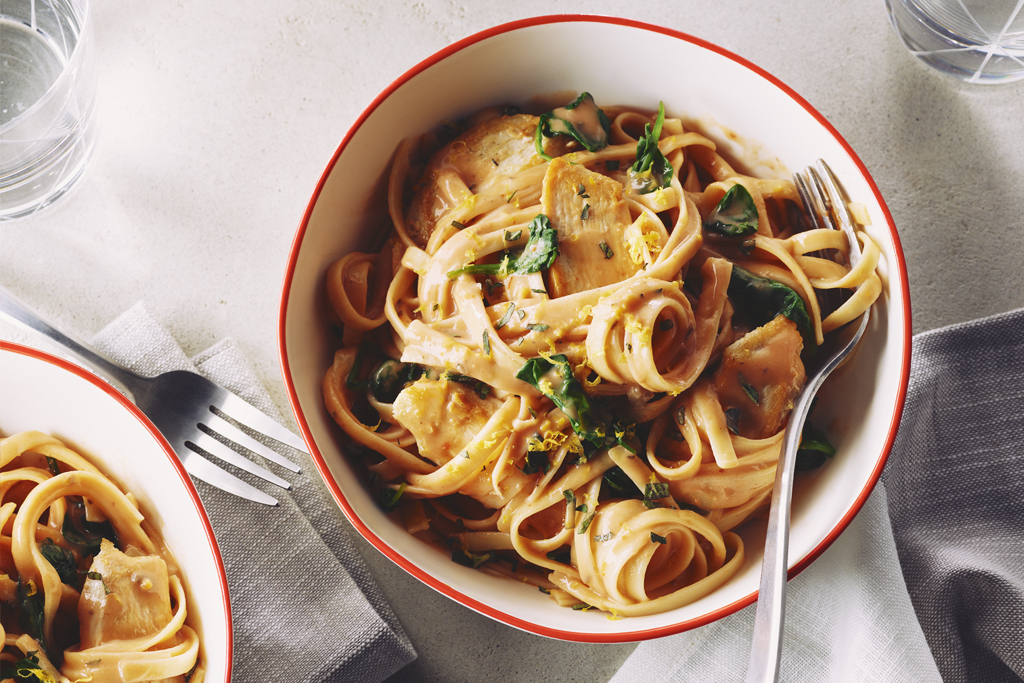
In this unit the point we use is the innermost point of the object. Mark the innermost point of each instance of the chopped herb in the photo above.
(391, 377)
(570, 497)
(656, 491)
(536, 461)
(63, 561)
(482, 388)
(814, 449)
(608, 253)
(521, 313)
(539, 291)
(494, 161)
(562, 556)
(352, 381)
(53, 465)
(537, 327)
(612, 164)
(509, 198)
(585, 524)
(620, 482)
(543, 590)
(505, 318)
(582, 607)
(650, 504)
(589, 126)
(732, 420)
(25, 669)
(435, 307)
(604, 537)
(492, 285)
(80, 531)
(750, 390)
(471, 560)
(458, 225)
(655, 538)
(96, 576)
(665, 325)
(389, 497)
(513, 236)
(585, 213)
(581, 508)
(32, 602)
(762, 299)
(651, 170)
(539, 253)
(735, 215)
(487, 343)
(582, 191)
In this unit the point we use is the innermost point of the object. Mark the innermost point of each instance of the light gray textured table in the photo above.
(218, 119)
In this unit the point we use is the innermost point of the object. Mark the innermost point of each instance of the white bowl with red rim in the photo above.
(754, 117)
(49, 394)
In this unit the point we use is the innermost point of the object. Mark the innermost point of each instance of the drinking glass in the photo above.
(47, 101)
(978, 41)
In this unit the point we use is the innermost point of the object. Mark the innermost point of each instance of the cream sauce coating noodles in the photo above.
(90, 593)
(573, 359)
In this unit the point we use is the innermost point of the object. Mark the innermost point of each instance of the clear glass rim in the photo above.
(82, 9)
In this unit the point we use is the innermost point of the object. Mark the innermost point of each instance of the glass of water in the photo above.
(978, 41)
(47, 101)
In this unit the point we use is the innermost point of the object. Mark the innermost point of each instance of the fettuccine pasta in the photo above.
(573, 359)
(90, 593)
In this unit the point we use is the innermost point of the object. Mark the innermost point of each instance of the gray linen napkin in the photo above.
(304, 605)
(956, 496)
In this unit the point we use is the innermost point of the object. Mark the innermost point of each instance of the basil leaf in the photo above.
(651, 170)
(391, 377)
(735, 215)
(63, 561)
(471, 560)
(561, 386)
(581, 120)
(25, 669)
(814, 449)
(539, 253)
(536, 461)
(78, 530)
(619, 482)
(762, 299)
(389, 497)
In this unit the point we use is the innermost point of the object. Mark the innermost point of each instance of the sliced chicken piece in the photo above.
(123, 598)
(591, 217)
(760, 377)
(444, 415)
(497, 148)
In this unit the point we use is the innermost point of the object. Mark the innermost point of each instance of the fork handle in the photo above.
(18, 311)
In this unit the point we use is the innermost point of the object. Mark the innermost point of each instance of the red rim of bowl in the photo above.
(321, 465)
(186, 481)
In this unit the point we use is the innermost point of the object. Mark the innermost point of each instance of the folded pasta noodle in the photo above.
(573, 360)
(90, 593)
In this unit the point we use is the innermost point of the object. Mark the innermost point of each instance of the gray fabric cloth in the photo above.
(303, 604)
(956, 496)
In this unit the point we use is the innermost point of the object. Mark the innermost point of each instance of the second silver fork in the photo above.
(187, 409)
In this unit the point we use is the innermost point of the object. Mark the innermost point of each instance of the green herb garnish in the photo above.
(762, 299)
(651, 170)
(63, 561)
(389, 497)
(505, 318)
(814, 449)
(655, 538)
(750, 390)
(539, 253)
(608, 253)
(581, 120)
(735, 215)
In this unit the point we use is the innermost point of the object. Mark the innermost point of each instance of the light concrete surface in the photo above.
(218, 118)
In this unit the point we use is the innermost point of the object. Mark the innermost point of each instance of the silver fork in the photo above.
(184, 406)
(825, 205)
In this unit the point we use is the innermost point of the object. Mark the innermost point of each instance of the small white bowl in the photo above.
(749, 113)
(48, 394)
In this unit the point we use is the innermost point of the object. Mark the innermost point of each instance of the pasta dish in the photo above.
(572, 360)
(90, 593)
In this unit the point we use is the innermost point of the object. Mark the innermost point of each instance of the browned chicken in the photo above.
(589, 213)
(496, 148)
(760, 376)
(124, 597)
(443, 415)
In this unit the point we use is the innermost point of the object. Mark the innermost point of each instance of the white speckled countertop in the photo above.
(218, 118)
